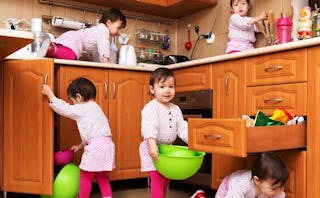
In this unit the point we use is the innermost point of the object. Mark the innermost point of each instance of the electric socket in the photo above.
(209, 38)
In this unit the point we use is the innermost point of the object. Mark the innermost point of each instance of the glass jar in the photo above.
(316, 25)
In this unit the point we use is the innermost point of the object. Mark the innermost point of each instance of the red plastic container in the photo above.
(284, 26)
(64, 157)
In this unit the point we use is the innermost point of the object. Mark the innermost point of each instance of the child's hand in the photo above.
(46, 90)
(76, 148)
(153, 149)
(263, 15)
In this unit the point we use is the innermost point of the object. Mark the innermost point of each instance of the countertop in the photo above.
(213, 59)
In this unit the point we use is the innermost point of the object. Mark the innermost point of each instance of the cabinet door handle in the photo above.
(226, 84)
(212, 136)
(273, 68)
(106, 90)
(45, 79)
(114, 90)
(273, 100)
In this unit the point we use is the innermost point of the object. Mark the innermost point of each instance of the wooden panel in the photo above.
(156, 7)
(313, 138)
(222, 136)
(232, 137)
(194, 78)
(272, 138)
(28, 127)
(282, 67)
(129, 92)
(12, 40)
(291, 97)
(1, 125)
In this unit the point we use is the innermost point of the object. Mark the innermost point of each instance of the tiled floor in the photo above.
(136, 189)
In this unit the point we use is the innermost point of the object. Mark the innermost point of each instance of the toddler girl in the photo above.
(71, 44)
(266, 180)
(241, 27)
(99, 150)
(162, 122)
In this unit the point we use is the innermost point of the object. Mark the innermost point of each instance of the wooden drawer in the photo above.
(194, 78)
(277, 68)
(232, 137)
(291, 97)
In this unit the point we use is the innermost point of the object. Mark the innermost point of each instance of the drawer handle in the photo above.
(273, 100)
(214, 136)
(273, 68)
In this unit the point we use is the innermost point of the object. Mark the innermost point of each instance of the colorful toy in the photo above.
(305, 23)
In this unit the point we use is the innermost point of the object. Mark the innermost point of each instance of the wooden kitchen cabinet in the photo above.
(228, 80)
(28, 127)
(122, 95)
(164, 8)
(194, 78)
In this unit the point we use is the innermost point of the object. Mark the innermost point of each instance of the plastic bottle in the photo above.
(284, 26)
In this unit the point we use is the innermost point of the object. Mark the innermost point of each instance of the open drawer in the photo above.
(232, 137)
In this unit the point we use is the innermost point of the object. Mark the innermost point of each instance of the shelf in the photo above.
(13, 40)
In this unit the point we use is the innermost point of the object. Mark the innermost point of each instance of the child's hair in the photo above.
(113, 15)
(82, 86)
(232, 1)
(160, 74)
(270, 166)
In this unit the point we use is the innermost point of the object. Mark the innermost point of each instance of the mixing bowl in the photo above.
(178, 162)
(64, 157)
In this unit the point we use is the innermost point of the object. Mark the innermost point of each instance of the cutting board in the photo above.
(13, 40)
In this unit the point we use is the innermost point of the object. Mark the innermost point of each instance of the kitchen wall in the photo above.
(214, 18)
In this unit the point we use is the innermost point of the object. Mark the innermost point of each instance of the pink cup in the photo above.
(284, 26)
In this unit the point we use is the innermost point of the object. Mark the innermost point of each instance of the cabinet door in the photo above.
(129, 92)
(194, 78)
(228, 102)
(28, 127)
(68, 134)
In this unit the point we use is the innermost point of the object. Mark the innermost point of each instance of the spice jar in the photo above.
(316, 25)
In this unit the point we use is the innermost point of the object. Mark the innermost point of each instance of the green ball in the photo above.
(66, 183)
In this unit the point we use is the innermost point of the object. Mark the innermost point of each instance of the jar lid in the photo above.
(284, 21)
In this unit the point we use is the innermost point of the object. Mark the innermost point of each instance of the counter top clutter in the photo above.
(27, 37)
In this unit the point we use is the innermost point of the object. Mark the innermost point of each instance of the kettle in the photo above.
(127, 55)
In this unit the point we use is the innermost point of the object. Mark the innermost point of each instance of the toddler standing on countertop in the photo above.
(99, 150)
(71, 44)
(241, 27)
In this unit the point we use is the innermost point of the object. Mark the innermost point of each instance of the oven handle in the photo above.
(212, 136)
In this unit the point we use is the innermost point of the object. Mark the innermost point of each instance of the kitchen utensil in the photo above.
(266, 25)
(271, 21)
(291, 13)
(63, 157)
(188, 44)
(178, 162)
(260, 28)
(166, 41)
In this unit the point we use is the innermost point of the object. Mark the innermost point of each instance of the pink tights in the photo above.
(158, 184)
(86, 183)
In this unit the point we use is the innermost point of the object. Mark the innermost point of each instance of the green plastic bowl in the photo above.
(178, 162)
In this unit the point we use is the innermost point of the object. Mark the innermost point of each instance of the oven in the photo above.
(197, 104)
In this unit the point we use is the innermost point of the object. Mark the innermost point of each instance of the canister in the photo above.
(284, 26)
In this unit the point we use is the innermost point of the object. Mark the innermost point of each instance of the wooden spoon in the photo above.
(271, 21)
